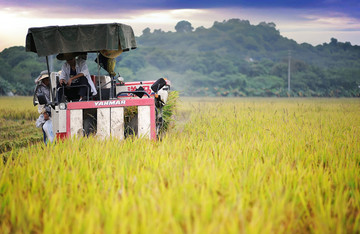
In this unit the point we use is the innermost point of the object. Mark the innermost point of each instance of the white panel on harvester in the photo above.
(144, 121)
(103, 122)
(117, 122)
(76, 122)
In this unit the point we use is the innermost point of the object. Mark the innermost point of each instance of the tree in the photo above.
(134, 61)
(146, 31)
(158, 31)
(231, 58)
(333, 41)
(271, 24)
(183, 27)
(5, 87)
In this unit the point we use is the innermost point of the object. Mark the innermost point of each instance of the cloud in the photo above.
(111, 5)
(302, 24)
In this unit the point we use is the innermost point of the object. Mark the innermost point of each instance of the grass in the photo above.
(228, 166)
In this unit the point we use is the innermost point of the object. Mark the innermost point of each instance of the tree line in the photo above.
(231, 58)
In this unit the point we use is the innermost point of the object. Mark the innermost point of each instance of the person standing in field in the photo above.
(75, 74)
(44, 121)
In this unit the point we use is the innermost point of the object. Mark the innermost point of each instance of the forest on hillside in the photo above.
(231, 58)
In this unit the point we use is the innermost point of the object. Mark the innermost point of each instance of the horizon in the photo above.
(312, 22)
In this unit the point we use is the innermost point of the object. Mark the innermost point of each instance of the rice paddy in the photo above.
(226, 166)
(17, 123)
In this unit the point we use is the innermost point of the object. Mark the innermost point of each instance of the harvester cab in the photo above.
(120, 108)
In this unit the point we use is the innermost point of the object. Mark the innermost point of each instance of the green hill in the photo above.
(232, 58)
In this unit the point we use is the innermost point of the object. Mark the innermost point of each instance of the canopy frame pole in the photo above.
(48, 69)
(98, 63)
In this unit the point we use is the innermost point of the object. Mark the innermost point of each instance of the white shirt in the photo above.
(80, 67)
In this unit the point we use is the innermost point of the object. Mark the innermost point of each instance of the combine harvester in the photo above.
(106, 114)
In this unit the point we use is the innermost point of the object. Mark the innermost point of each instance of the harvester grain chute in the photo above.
(106, 113)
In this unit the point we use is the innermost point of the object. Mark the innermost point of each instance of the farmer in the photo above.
(75, 74)
(44, 120)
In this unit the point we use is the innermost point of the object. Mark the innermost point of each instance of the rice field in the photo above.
(226, 166)
(17, 123)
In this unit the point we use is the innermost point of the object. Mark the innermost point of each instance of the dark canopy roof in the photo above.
(80, 38)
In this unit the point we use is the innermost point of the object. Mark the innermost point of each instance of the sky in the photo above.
(305, 21)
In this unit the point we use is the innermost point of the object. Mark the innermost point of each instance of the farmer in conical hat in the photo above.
(44, 121)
